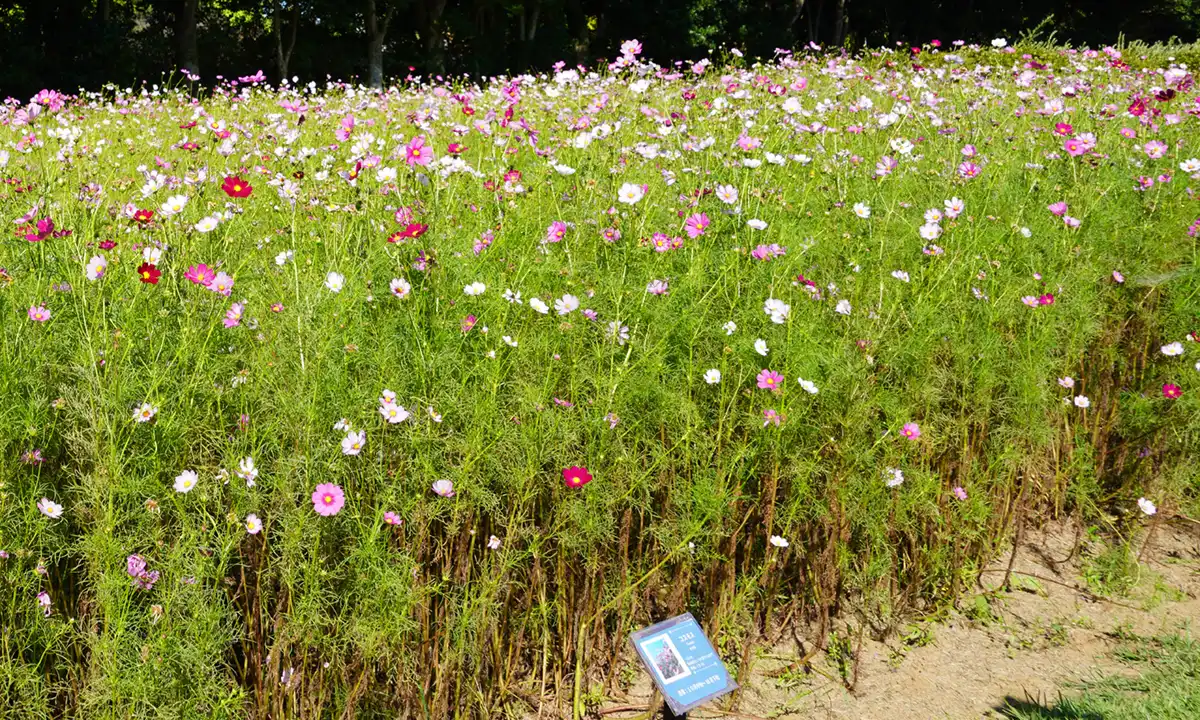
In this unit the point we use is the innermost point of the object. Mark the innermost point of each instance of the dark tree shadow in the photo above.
(1027, 709)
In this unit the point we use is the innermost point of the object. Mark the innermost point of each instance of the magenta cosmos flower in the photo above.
(417, 152)
(770, 380)
(1172, 392)
(328, 499)
(911, 430)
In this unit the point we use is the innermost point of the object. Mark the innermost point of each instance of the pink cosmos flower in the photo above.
(39, 313)
(445, 488)
(328, 499)
(417, 152)
(771, 416)
(960, 493)
(1063, 129)
(1073, 147)
(200, 274)
(556, 231)
(695, 225)
(770, 380)
(1059, 208)
(969, 170)
(392, 518)
(911, 431)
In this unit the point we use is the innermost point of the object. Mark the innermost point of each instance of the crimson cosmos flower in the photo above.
(143, 216)
(235, 187)
(576, 477)
(147, 273)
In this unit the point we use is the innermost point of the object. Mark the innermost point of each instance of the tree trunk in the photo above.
(376, 32)
(185, 35)
(840, 26)
(798, 10)
(284, 57)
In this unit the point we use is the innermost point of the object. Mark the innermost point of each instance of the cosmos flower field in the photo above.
(324, 402)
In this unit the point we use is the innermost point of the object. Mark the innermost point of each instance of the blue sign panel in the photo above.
(686, 669)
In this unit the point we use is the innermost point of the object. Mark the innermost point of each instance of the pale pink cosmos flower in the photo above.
(39, 313)
(1059, 208)
(328, 499)
(444, 488)
(233, 316)
(353, 443)
(392, 518)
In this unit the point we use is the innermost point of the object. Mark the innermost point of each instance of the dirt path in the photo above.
(1041, 635)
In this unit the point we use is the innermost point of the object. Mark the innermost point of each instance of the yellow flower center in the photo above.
(328, 499)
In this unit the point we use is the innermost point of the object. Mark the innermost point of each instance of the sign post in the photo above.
(685, 667)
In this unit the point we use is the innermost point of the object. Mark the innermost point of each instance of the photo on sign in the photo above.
(665, 658)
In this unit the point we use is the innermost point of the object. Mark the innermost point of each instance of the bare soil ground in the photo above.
(1047, 632)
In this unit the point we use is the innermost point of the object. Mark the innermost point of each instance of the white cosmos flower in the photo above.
(173, 205)
(809, 386)
(563, 169)
(630, 194)
(930, 231)
(247, 471)
(185, 481)
(151, 254)
(1147, 506)
(96, 267)
(756, 224)
(400, 287)
(778, 310)
(862, 210)
(760, 347)
(144, 413)
(729, 327)
(282, 258)
(843, 307)
(778, 541)
(1081, 401)
(49, 508)
(537, 304)
(474, 289)
(712, 376)
(335, 282)
(509, 341)
(999, 43)
(1172, 349)
(900, 275)
(207, 224)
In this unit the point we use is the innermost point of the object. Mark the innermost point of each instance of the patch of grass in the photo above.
(1165, 686)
